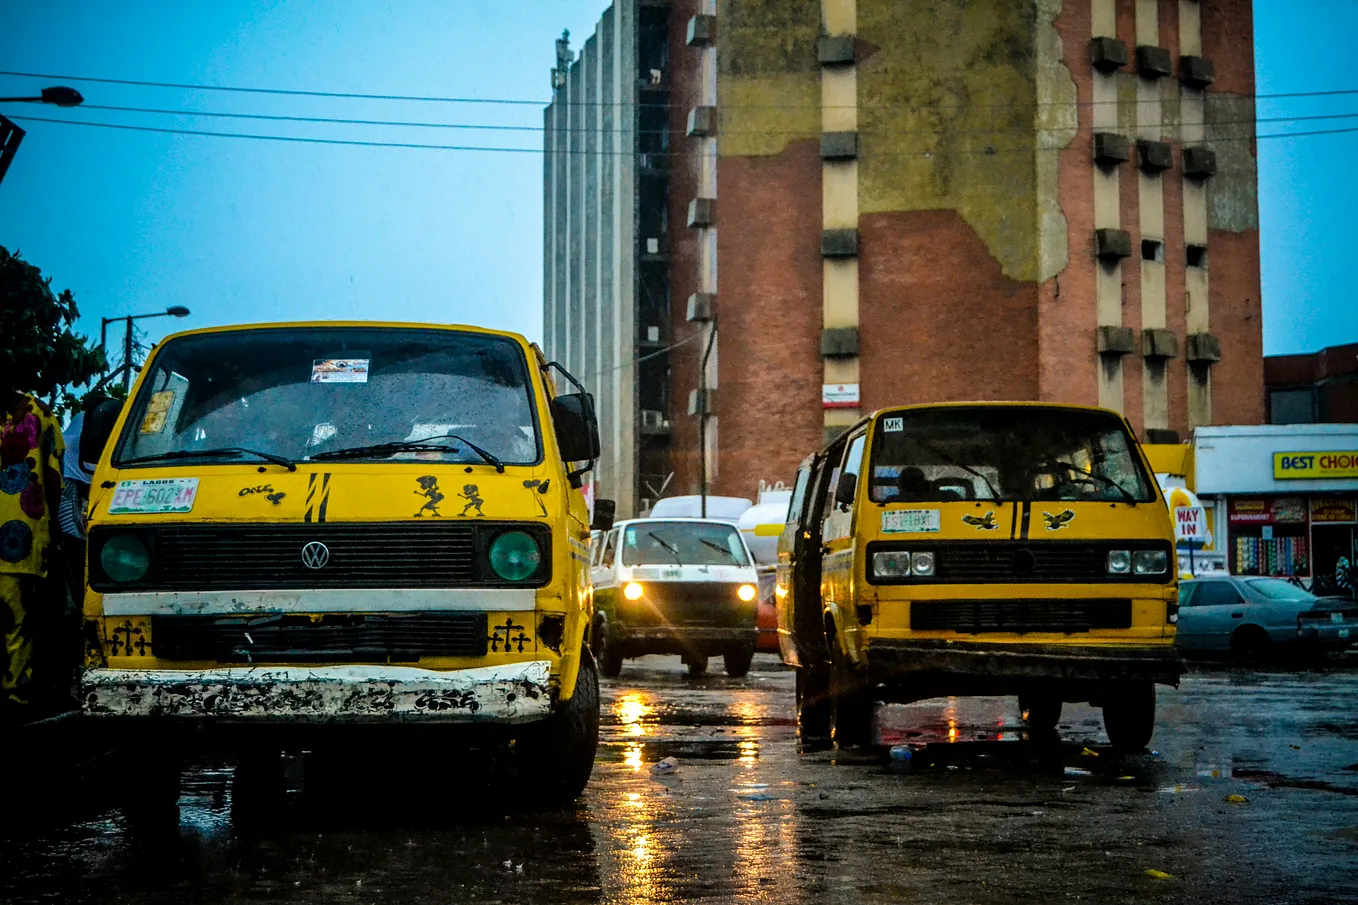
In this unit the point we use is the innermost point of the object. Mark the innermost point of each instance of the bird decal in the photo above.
(1060, 520)
(983, 523)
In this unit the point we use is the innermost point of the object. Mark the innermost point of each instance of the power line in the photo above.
(293, 92)
(988, 151)
(620, 131)
(647, 357)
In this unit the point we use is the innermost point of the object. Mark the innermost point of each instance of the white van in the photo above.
(682, 586)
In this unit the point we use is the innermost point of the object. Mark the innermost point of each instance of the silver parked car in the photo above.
(1252, 616)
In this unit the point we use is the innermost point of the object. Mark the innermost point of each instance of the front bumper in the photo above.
(508, 694)
(892, 659)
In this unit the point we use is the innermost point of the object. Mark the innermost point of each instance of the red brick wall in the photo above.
(938, 319)
(769, 297)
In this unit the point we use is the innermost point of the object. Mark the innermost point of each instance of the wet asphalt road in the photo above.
(980, 815)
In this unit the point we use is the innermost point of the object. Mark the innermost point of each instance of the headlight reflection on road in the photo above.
(632, 757)
(631, 710)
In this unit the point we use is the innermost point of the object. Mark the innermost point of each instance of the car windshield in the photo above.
(1277, 589)
(1006, 453)
(300, 392)
(682, 543)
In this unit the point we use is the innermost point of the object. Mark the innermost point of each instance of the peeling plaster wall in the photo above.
(949, 96)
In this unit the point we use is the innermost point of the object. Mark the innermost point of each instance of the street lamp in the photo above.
(126, 367)
(11, 134)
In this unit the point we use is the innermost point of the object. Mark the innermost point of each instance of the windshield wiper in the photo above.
(720, 549)
(674, 551)
(275, 458)
(1107, 482)
(377, 449)
(994, 494)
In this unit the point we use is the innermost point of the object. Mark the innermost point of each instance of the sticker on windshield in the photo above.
(339, 370)
(157, 412)
(910, 521)
(893, 425)
(156, 495)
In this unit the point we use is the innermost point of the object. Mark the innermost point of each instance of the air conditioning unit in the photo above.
(653, 420)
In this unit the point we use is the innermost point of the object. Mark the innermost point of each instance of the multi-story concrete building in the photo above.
(768, 217)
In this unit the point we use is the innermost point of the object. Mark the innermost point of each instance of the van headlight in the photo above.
(900, 564)
(515, 556)
(1119, 562)
(747, 592)
(125, 558)
(1150, 562)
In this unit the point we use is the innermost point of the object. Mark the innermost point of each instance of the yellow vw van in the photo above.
(979, 549)
(309, 528)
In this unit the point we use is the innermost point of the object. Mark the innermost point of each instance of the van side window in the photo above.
(853, 462)
(794, 508)
(610, 549)
(838, 519)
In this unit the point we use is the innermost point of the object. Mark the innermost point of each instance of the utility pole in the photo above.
(127, 358)
(702, 419)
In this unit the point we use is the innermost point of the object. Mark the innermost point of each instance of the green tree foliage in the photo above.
(39, 352)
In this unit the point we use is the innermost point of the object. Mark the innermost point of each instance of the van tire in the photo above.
(608, 655)
(556, 757)
(696, 663)
(737, 660)
(814, 708)
(1129, 715)
(852, 706)
(1041, 712)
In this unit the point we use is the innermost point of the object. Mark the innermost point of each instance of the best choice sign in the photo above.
(1315, 465)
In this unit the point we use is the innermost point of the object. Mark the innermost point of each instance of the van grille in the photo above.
(361, 555)
(981, 616)
(336, 638)
(990, 562)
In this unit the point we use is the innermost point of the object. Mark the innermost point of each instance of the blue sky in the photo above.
(250, 230)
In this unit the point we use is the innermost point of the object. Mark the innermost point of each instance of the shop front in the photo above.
(1289, 494)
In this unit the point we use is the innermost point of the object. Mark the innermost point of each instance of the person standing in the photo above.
(1343, 577)
(31, 449)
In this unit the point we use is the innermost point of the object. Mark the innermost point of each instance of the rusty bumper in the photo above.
(514, 693)
(889, 660)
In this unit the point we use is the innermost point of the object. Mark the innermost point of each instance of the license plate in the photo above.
(910, 521)
(156, 495)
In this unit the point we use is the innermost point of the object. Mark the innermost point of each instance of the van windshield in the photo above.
(301, 392)
(1006, 453)
(682, 543)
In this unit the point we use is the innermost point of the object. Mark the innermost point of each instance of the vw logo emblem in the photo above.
(315, 555)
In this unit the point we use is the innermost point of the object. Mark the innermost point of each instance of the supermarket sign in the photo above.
(1316, 465)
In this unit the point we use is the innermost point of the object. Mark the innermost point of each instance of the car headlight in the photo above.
(515, 555)
(125, 558)
(899, 564)
(747, 592)
(1150, 562)
(633, 590)
(1119, 562)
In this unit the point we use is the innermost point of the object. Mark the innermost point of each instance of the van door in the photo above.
(837, 531)
(807, 620)
(790, 550)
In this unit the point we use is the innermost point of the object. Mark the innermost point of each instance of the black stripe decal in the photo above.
(1013, 523)
(325, 496)
(1027, 511)
(310, 495)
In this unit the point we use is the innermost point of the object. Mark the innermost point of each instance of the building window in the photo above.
(1292, 406)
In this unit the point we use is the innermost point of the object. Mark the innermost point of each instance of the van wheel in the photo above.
(814, 709)
(1129, 715)
(696, 663)
(1250, 644)
(737, 660)
(1041, 712)
(556, 757)
(852, 705)
(608, 655)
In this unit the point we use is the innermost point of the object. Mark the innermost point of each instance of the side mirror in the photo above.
(848, 486)
(98, 428)
(604, 512)
(577, 427)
